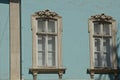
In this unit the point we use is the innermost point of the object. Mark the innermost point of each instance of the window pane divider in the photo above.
(54, 34)
(102, 36)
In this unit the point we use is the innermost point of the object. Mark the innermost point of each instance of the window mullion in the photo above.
(37, 51)
(46, 50)
(102, 47)
(101, 29)
(111, 48)
(56, 27)
(56, 43)
(102, 52)
(111, 52)
(110, 26)
(56, 52)
(46, 42)
(95, 53)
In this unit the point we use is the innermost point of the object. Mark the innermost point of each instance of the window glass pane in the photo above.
(41, 59)
(41, 43)
(51, 43)
(51, 59)
(41, 51)
(96, 28)
(106, 29)
(106, 45)
(51, 25)
(107, 51)
(96, 60)
(102, 56)
(41, 25)
(51, 50)
(97, 57)
(97, 44)
(104, 60)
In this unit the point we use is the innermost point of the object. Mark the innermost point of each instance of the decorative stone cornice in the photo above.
(101, 17)
(46, 14)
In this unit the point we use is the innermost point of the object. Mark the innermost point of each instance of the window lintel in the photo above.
(37, 18)
(102, 22)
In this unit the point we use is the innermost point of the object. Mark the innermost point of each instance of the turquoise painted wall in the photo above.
(4, 40)
(75, 14)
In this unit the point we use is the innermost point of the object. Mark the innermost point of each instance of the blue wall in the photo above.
(75, 14)
(4, 40)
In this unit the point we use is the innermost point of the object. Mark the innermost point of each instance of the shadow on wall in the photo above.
(4, 1)
(118, 48)
(104, 77)
(118, 44)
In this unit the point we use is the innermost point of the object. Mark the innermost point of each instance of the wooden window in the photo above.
(47, 42)
(102, 44)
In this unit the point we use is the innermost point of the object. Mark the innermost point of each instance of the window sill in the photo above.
(47, 70)
(103, 71)
(44, 33)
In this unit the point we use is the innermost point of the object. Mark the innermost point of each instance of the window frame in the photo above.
(101, 36)
(101, 19)
(46, 34)
(58, 19)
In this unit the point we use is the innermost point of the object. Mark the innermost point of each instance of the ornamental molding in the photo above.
(101, 17)
(46, 14)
